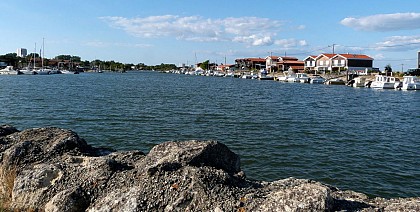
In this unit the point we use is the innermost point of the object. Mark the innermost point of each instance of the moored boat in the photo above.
(302, 78)
(410, 83)
(384, 82)
(28, 71)
(9, 71)
(335, 81)
(316, 79)
(358, 82)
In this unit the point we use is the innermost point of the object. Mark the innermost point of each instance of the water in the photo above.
(360, 139)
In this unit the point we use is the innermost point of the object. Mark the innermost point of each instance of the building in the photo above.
(21, 52)
(250, 63)
(279, 63)
(354, 63)
(323, 63)
(418, 59)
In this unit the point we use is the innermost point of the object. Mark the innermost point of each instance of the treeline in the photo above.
(75, 61)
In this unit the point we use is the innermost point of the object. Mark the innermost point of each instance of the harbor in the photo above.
(338, 135)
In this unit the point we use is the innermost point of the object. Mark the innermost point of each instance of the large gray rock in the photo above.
(51, 169)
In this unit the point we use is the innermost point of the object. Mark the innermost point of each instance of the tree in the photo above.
(388, 68)
(205, 65)
(10, 58)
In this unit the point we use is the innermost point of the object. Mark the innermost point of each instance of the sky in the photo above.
(189, 31)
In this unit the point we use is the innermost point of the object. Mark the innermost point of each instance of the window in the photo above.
(336, 62)
(327, 62)
(313, 63)
(343, 62)
(321, 63)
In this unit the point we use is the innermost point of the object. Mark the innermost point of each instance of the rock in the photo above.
(70, 200)
(52, 169)
(173, 155)
(7, 130)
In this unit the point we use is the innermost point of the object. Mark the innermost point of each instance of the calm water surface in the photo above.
(361, 139)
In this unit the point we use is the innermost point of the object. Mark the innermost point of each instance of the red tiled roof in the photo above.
(328, 55)
(297, 67)
(288, 58)
(355, 56)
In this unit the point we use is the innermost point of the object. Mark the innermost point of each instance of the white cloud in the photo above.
(301, 27)
(379, 56)
(251, 30)
(290, 43)
(384, 22)
(399, 43)
(254, 40)
(101, 44)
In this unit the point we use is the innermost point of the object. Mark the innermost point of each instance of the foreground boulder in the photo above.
(52, 169)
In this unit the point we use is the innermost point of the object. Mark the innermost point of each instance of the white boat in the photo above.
(358, 82)
(287, 77)
(335, 81)
(282, 78)
(291, 77)
(410, 83)
(64, 71)
(27, 71)
(43, 71)
(384, 82)
(316, 79)
(302, 78)
(9, 71)
(265, 77)
(249, 76)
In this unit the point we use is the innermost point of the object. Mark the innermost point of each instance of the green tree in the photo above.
(388, 68)
(205, 65)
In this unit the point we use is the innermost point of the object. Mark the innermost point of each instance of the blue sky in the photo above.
(185, 31)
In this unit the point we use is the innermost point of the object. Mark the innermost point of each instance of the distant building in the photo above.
(250, 63)
(418, 59)
(21, 52)
(355, 63)
(280, 63)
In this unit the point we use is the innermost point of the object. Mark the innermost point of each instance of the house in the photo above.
(250, 63)
(323, 62)
(309, 63)
(271, 63)
(279, 63)
(356, 63)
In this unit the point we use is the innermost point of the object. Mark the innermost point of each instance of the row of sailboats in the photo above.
(31, 69)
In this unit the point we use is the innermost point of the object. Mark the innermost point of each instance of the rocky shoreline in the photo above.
(52, 169)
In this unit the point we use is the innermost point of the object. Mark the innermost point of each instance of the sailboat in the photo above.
(30, 70)
(43, 71)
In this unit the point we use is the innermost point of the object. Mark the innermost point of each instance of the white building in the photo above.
(21, 52)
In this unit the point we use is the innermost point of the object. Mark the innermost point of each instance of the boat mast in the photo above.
(35, 57)
(42, 58)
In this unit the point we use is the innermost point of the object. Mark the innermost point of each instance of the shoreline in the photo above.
(54, 169)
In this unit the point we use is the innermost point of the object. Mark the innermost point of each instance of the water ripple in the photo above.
(361, 139)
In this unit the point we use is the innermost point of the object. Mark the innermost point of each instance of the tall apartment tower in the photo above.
(21, 52)
(418, 59)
